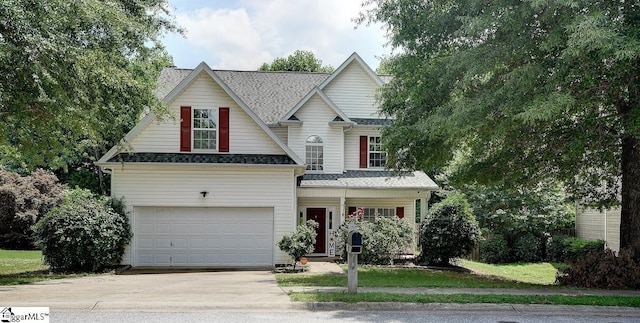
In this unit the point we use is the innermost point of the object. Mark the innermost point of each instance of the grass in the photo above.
(24, 267)
(372, 276)
(536, 273)
(625, 301)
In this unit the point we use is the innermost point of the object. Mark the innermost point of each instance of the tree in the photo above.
(450, 230)
(300, 242)
(518, 91)
(300, 60)
(76, 71)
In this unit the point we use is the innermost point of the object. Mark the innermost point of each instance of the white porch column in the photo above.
(423, 206)
(342, 205)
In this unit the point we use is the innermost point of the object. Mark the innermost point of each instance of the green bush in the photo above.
(495, 250)
(576, 248)
(528, 248)
(87, 233)
(300, 242)
(450, 230)
(556, 248)
(602, 269)
(382, 240)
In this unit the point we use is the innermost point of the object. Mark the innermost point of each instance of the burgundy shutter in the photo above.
(223, 129)
(185, 128)
(400, 211)
(364, 151)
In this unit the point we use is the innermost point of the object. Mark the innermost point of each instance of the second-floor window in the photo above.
(205, 129)
(377, 157)
(314, 153)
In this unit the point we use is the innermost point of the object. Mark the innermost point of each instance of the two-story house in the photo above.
(248, 157)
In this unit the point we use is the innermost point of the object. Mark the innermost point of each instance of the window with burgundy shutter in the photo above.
(185, 128)
(364, 151)
(223, 129)
(400, 211)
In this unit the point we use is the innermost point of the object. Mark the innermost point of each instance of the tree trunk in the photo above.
(630, 215)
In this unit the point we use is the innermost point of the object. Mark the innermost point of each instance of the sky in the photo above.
(244, 34)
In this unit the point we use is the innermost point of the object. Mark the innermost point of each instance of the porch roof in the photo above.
(370, 179)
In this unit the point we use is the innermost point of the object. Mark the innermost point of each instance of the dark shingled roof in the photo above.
(369, 179)
(372, 122)
(270, 95)
(253, 159)
(352, 174)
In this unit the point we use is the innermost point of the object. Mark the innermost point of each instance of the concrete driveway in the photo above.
(153, 292)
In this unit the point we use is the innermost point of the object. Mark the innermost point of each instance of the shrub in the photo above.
(528, 248)
(300, 242)
(495, 250)
(556, 248)
(382, 240)
(577, 248)
(25, 200)
(602, 269)
(87, 233)
(450, 230)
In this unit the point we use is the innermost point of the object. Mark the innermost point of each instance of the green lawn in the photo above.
(468, 299)
(536, 273)
(374, 276)
(24, 267)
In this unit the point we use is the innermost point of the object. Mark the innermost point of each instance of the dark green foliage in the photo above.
(557, 248)
(495, 250)
(77, 75)
(25, 200)
(450, 230)
(511, 92)
(577, 248)
(602, 269)
(87, 233)
(382, 240)
(529, 248)
(300, 242)
(300, 60)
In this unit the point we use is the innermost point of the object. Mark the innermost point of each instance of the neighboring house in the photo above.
(594, 224)
(248, 157)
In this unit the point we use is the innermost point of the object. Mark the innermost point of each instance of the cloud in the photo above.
(252, 32)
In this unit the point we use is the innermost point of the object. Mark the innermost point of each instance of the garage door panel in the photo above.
(203, 237)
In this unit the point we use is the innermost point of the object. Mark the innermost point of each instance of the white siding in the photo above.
(282, 133)
(353, 91)
(180, 186)
(245, 136)
(352, 146)
(315, 116)
(590, 225)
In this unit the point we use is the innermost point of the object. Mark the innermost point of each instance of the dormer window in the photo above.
(314, 153)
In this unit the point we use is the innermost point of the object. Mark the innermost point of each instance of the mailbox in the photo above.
(354, 242)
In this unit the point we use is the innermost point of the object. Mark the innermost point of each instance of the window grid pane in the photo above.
(314, 157)
(204, 129)
(377, 157)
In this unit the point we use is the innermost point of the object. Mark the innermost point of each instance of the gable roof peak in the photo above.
(353, 58)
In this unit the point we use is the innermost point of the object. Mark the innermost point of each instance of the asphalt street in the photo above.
(443, 316)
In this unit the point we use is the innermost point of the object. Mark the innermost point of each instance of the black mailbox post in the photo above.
(354, 247)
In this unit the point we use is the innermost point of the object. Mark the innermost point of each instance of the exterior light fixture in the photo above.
(204, 193)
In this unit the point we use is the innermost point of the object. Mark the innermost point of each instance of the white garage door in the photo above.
(212, 237)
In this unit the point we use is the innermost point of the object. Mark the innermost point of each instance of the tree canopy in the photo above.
(74, 71)
(300, 60)
(518, 91)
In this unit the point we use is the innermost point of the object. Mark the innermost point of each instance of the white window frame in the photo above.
(370, 151)
(370, 213)
(216, 130)
(317, 152)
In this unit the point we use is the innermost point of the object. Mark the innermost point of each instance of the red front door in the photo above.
(320, 216)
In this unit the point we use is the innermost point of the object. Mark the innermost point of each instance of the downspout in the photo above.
(605, 229)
